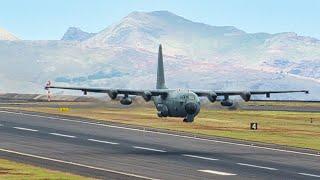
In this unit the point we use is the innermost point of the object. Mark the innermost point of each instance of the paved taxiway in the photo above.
(117, 152)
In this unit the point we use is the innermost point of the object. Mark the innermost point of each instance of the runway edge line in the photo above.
(75, 164)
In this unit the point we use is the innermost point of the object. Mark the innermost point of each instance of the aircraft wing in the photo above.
(111, 91)
(244, 94)
(232, 93)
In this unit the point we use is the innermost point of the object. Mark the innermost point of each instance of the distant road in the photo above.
(117, 152)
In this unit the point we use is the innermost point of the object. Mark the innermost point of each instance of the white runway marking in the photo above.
(25, 129)
(255, 166)
(1, 125)
(218, 172)
(312, 175)
(200, 157)
(148, 149)
(74, 164)
(62, 135)
(168, 134)
(105, 142)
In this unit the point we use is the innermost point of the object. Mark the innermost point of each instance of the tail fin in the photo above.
(160, 71)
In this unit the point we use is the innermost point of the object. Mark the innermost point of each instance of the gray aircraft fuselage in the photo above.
(178, 103)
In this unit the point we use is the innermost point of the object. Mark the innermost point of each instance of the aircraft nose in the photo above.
(191, 108)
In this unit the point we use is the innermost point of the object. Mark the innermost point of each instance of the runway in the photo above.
(110, 151)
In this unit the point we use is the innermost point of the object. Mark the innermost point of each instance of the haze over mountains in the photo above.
(196, 56)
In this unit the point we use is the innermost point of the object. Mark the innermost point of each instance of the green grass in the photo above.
(16, 171)
(277, 127)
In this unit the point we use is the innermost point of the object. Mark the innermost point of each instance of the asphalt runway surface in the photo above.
(109, 151)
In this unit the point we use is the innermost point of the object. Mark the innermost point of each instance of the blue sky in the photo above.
(49, 19)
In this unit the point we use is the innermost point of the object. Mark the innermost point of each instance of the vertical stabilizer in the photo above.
(160, 71)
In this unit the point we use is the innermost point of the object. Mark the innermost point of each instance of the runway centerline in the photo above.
(200, 157)
(62, 135)
(256, 166)
(26, 129)
(100, 141)
(148, 149)
(311, 175)
(218, 172)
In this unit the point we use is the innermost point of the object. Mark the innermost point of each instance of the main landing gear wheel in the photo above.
(188, 119)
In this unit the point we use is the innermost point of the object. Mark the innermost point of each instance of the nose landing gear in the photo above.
(192, 109)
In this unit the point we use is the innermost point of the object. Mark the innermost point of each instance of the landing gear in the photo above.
(189, 118)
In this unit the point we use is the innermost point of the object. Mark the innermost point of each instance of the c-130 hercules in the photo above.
(173, 102)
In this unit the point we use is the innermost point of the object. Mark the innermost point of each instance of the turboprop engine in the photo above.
(212, 97)
(147, 96)
(126, 101)
(162, 110)
(113, 94)
(246, 96)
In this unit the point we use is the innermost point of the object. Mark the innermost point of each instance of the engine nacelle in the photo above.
(246, 96)
(162, 110)
(227, 103)
(113, 94)
(212, 97)
(126, 101)
(147, 96)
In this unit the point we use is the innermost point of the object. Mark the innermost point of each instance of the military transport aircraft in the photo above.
(173, 102)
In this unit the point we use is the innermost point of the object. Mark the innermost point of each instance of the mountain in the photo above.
(76, 34)
(197, 55)
(184, 38)
(5, 35)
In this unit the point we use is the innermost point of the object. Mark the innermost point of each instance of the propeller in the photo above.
(48, 90)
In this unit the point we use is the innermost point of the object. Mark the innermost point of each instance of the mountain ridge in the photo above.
(76, 34)
(184, 38)
(7, 36)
